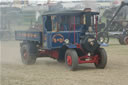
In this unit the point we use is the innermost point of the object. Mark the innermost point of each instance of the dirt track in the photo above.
(47, 71)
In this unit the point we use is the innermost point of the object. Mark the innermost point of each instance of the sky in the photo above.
(39, 0)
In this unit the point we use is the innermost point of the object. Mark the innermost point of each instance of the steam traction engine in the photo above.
(69, 36)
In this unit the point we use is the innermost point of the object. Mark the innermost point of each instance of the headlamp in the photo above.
(90, 29)
(66, 41)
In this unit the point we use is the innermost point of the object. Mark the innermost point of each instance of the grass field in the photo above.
(47, 71)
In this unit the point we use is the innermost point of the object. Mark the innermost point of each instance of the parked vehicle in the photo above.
(117, 25)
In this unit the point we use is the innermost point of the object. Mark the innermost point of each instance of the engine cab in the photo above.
(70, 28)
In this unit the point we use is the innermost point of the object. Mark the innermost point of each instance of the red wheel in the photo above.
(123, 40)
(126, 40)
(25, 54)
(71, 59)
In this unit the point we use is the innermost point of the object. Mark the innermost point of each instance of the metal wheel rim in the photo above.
(69, 60)
(126, 40)
(25, 55)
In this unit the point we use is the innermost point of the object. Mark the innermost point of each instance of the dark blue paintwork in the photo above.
(66, 35)
(53, 40)
(49, 43)
(22, 36)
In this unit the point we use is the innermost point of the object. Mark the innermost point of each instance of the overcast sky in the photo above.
(40, 0)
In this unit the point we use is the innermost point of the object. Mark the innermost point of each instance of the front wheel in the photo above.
(71, 59)
(102, 59)
(28, 53)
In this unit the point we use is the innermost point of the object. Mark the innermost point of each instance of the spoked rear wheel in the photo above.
(71, 59)
(102, 59)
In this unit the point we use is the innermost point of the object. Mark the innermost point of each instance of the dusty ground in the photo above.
(47, 71)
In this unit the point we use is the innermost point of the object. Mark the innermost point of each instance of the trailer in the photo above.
(117, 25)
(68, 36)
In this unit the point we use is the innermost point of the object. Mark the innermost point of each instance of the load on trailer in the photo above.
(69, 36)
